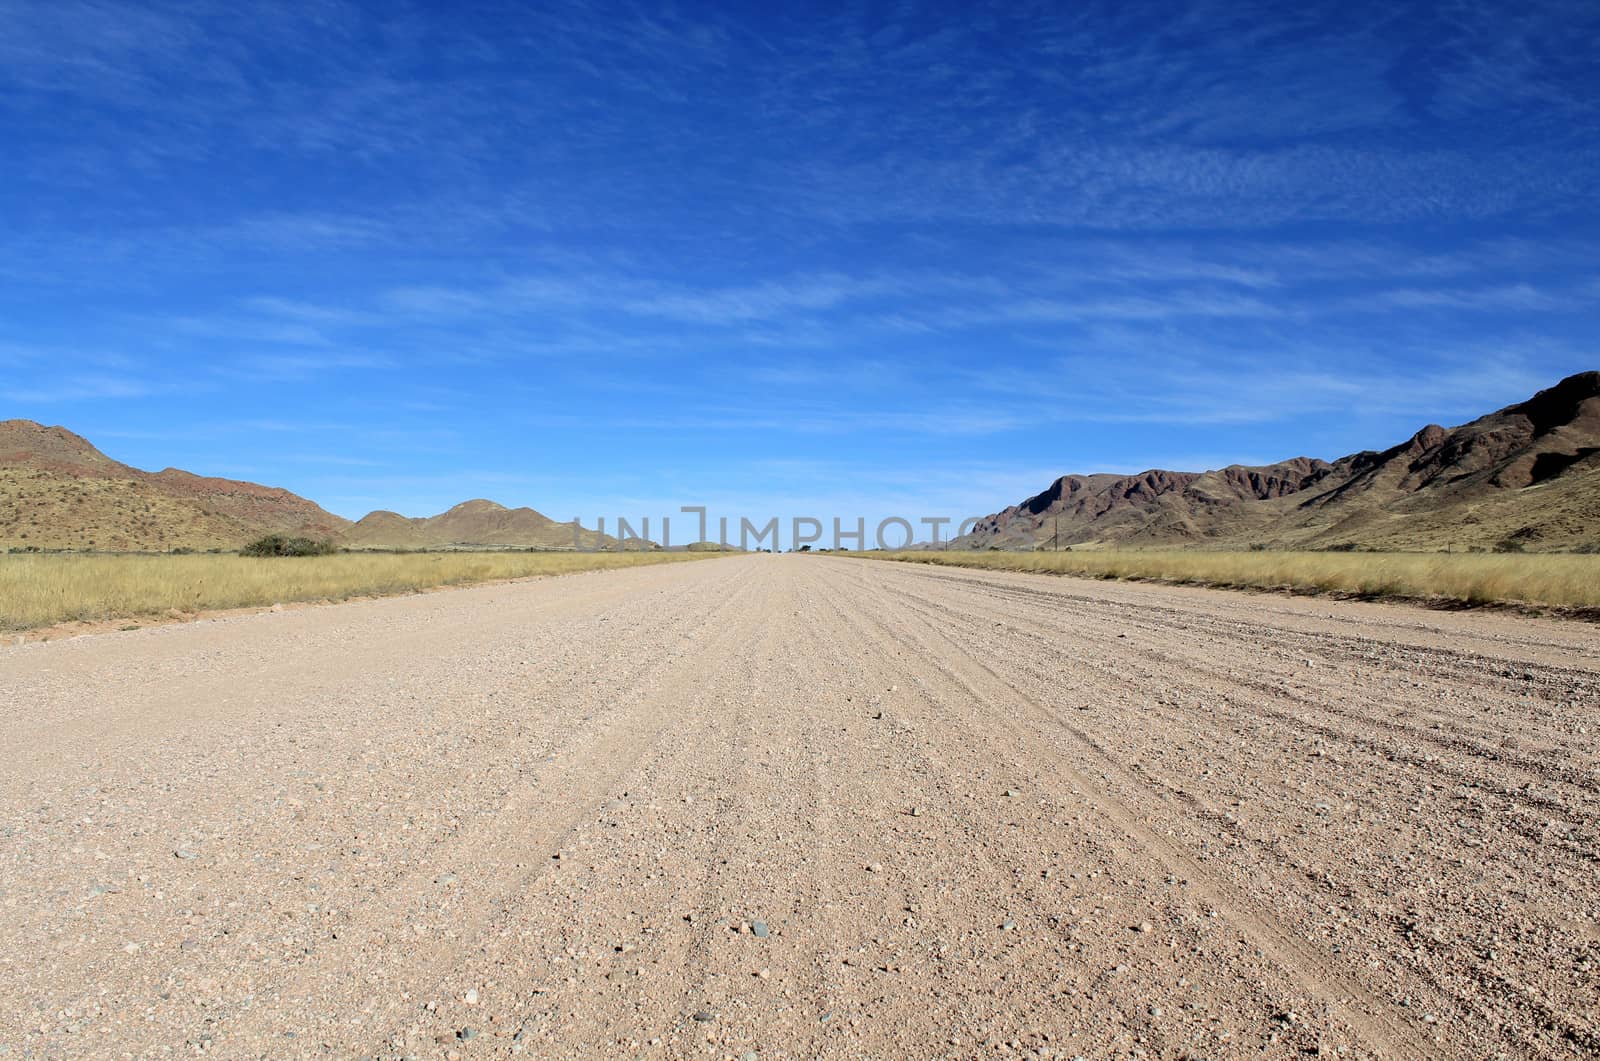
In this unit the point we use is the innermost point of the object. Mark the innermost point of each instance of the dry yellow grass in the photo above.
(41, 590)
(1559, 580)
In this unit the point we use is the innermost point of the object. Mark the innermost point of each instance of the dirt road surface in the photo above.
(793, 807)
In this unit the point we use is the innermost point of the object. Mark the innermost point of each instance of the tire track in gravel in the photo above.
(896, 750)
(137, 697)
(978, 727)
(707, 984)
(746, 738)
(1566, 1024)
(1200, 676)
(1355, 1005)
(1221, 688)
(971, 742)
(510, 844)
(1157, 607)
(989, 855)
(432, 747)
(777, 777)
(618, 950)
(777, 731)
(1201, 648)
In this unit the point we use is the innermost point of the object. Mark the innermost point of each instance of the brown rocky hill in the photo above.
(1527, 476)
(58, 492)
(477, 523)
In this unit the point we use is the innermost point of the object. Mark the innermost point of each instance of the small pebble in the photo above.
(760, 929)
(704, 1015)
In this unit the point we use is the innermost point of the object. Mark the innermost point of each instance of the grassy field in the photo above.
(1564, 580)
(42, 590)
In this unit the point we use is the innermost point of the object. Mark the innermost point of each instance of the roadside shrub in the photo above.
(283, 545)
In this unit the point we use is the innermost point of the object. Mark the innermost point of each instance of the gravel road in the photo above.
(782, 806)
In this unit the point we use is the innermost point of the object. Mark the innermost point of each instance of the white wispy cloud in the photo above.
(870, 228)
(278, 368)
(78, 388)
(1523, 298)
(1267, 387)
(249, 330)
(310, 313)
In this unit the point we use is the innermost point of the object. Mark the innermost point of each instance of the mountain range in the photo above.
(1525, 477)
(57, 491)
(477, 522)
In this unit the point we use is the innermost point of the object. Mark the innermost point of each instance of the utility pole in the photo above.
(1058, 532)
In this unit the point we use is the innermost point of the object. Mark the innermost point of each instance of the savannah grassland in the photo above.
(38, 590)
(1564, 580)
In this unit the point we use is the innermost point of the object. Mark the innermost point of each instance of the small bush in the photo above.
(283, 545)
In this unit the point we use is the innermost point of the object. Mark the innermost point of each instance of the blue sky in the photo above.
(606, 258)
